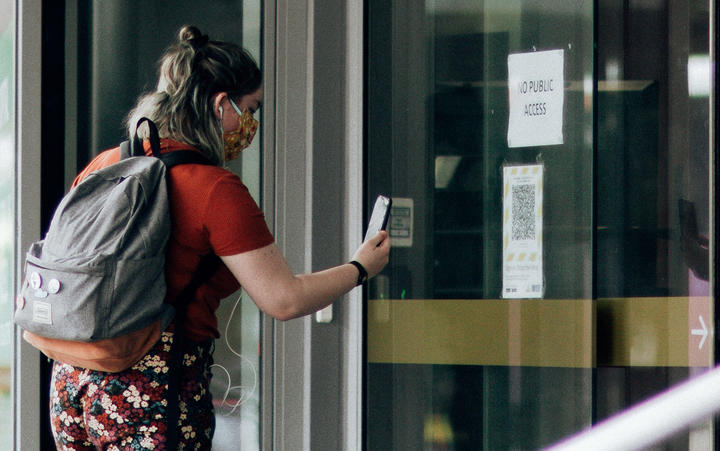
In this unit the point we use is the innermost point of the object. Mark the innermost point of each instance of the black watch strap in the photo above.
(363, 274)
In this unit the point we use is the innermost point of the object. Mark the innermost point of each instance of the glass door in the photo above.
(654, 311)
(549, 164)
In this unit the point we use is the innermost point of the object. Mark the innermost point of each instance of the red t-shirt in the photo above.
(211, 210)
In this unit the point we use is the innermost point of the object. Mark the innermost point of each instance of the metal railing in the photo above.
(654, 420)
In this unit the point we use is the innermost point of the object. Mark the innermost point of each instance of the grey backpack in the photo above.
(94, 287)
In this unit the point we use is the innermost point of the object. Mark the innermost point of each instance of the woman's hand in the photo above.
(374, 253)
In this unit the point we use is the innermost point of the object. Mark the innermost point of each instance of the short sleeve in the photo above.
(234, 222)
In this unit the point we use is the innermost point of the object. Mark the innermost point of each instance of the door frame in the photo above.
(313, 200)
(26, 377)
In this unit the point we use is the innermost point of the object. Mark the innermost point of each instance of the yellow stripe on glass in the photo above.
(572, 333)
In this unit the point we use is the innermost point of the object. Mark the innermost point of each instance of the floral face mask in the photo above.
(236, 141)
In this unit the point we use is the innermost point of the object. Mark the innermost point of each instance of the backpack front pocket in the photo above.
(57, 302)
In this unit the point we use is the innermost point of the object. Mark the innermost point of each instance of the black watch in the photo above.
(363, 274)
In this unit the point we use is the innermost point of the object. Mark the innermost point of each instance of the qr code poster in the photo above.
(522, 232)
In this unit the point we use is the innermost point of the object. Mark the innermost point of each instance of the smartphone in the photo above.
(379, 217)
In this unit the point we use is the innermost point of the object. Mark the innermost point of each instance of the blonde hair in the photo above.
(191, 72)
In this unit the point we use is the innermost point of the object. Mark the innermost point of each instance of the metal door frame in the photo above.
(312, 196)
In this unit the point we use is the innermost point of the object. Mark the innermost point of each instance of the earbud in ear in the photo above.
(220, 110)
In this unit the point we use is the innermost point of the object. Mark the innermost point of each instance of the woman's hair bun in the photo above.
(192, 35)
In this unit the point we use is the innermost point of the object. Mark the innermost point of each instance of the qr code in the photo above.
(523, 212)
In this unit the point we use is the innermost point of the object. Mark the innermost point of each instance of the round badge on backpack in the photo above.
(53, 286)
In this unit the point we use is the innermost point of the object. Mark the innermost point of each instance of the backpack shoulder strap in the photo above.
(134, 148)
(205, 270)
(183, 157)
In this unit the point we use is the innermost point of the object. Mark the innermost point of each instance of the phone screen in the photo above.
(379, 217)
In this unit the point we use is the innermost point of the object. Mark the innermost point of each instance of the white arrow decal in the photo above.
(702, 332)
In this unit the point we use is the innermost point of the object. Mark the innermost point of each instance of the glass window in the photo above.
(455, 361)
(550, 166)
(655, 311)
(7, 210)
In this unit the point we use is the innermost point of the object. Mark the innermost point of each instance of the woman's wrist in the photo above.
(362, 272)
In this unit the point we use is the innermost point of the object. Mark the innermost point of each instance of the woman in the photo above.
(206, 96)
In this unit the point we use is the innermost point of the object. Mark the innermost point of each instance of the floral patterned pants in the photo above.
(127, 410)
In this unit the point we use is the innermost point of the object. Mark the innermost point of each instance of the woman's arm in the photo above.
(268, 280)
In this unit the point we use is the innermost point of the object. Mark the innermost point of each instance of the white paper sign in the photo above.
(400, 224)
(536, 90)
(522, 232)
